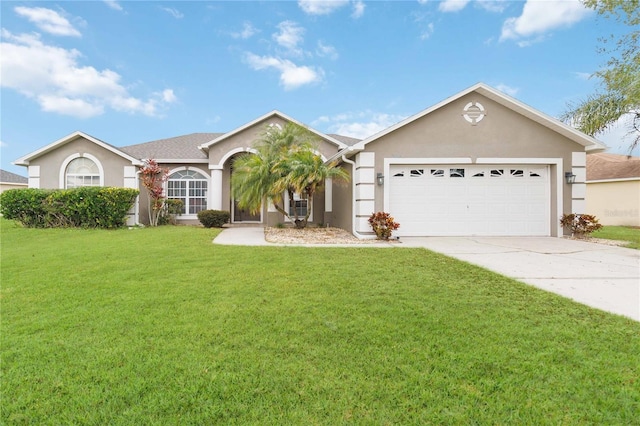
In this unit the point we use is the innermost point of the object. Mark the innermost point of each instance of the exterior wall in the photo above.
(8, 186)
(49, 164)
(221, 157)
(342, 195)
(502, 134)
(615, 202)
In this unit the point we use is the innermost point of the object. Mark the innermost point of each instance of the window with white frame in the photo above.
(300, 203)
(190, 187)
(82, 171)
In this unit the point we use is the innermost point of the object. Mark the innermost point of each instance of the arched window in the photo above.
(82, 171)
(191, 188)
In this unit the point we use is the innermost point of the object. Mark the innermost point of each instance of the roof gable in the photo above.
(24, 161)
(557, 126)
(274, 113)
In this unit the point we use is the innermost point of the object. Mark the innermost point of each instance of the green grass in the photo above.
(620, 233)
(159, 326)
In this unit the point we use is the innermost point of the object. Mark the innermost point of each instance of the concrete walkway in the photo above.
(597, 275)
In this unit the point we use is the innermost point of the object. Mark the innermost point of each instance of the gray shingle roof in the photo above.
(180, 147)
(8, 177)
(612, 166)
(347, 140)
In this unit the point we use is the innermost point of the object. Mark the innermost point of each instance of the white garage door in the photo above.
(447, 200)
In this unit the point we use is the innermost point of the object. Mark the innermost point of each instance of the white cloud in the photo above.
(48, 21)
(289, 36)
(511, 91)
(52, 76)
(3, 144)
(321, 7)
(427, 32)
(113, 4)
(497, 6)
(358, 9)
(292, 76)
(173, 12)
(582, 75)
(325, 50)
(248, 31)
(359, 125)
(452, 5)
(540, 17)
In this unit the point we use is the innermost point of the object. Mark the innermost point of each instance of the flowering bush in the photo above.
(153, 178)
(383, 225)
(580, 225)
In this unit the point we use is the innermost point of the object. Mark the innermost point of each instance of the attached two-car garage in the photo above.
(461, 200)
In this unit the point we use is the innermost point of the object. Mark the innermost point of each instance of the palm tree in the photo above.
(284, 161)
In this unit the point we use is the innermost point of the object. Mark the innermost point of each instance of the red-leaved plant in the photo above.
(581, 225)
(383, 225)
(153, 178)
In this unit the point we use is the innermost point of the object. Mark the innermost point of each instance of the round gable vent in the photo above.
(473, 112)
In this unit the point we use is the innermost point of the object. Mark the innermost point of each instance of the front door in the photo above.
(244, 215)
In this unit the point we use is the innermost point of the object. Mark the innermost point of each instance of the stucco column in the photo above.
(215, 192)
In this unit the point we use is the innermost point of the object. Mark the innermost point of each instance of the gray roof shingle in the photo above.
(612, 166)
(8, 177)
(180, 147)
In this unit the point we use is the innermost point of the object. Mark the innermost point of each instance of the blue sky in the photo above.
(130, 72)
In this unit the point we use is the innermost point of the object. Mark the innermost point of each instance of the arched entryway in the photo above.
(238, 214)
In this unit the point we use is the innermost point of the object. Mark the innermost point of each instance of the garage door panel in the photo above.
(488, 200)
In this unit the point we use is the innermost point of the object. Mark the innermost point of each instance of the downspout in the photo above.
(353, 199)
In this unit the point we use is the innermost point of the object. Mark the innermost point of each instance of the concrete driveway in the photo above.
(597, 275)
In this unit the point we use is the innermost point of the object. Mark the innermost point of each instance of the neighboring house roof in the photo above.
(273, 113)
(612, 167)
(588, 142)
(8, 177)
(24, 161)
(177, 148)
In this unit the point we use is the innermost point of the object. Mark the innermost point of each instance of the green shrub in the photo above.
(87, 207)
(580, 225)
(27, 206)
(213, 218)
(172, 207)
(383, 225)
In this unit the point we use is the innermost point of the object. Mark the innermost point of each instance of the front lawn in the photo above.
(620, 233)
(159, 326)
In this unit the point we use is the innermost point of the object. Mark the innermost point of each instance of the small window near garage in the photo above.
(517, 173)
(437, 172)
(82, 172)
(478, 174)
(399, 174)
(416, 172)
(456, 173)
(535, 173)
(497, 172)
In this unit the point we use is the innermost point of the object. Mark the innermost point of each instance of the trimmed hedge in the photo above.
(213, 218)
(85, 207)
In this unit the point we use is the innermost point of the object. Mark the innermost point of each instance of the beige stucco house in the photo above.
(477, 163)
(10, 180)
(613, 189)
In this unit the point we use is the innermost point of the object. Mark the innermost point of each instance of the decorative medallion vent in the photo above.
(473, 112)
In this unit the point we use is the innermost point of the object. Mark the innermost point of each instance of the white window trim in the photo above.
(65, 163)
(286, 205)
(195, 169)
